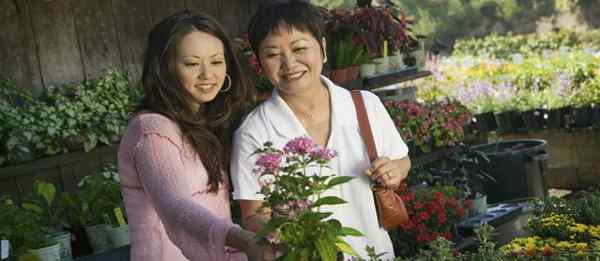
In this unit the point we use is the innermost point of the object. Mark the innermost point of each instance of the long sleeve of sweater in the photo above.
(160, 161)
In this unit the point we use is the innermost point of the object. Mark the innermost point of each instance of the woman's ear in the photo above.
(324, 47)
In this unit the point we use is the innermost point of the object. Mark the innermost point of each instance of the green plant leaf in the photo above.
(33, 207)
(330, 200)
(326, 250)
(345, 247)
(352, 232)
(338, 180)
(46, 190)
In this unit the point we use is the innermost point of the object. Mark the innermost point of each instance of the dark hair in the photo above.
(210, 130)
(298, 14)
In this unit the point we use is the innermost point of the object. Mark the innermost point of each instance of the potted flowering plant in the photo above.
(414, 122)
(449, 119)
(293, 182)
(432, 214)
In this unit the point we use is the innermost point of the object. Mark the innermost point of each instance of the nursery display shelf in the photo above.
(369, 83)
(53, 161)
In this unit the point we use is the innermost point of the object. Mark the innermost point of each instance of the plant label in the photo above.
(119, 215)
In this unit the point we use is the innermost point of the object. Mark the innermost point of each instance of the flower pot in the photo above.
(352, 73)
(582, 116)
(338, 76)
(485, 122)
(553, 119)
(64, 240)
(367, 70)
(118, 236)
(382, 65)
(505, 122)
(97, 237)
(596, 116)
(420, 58)
(50, 253)
(396, 63)
(533, 119)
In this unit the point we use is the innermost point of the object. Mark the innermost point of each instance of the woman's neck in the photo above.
(309, 101)
(311, 107)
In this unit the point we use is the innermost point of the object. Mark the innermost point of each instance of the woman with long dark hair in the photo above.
(173, 159)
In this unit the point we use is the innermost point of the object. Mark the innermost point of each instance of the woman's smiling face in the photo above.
(291, 59)
(201, 66)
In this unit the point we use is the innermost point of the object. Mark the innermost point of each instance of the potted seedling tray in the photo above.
(494, 216)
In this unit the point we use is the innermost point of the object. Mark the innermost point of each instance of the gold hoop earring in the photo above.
(228, 85)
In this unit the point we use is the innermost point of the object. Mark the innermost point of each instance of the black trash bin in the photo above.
(519, 167)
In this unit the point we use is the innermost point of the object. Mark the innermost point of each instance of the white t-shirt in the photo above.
(274, 121)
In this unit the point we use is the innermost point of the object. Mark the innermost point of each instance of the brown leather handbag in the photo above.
(390, 207)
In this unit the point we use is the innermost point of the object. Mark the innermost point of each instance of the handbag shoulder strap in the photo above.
(363, 123)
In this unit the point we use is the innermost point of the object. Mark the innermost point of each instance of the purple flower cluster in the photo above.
(292, 208)
(565, 82)
(299, 146)
(322, 154)
(268, 163)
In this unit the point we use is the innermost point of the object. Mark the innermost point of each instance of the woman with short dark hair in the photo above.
(287, 37)
(173, 157)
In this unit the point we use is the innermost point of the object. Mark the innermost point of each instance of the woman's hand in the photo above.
(389, 173)
(246, 241)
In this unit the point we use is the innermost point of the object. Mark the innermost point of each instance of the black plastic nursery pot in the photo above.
(557, 118)
(485, 122)
(554, 118)
(509, 121)
(582, 116)
(533, 119)
(519, 167)
(596, 115)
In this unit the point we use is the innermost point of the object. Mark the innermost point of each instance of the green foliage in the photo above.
(348, 54)
(551, 80)
(503, 46)
(89, 113)
(49, 205)
(455, 19)
(587, 209)
(99, 196)
(443, 250)
(22, 227)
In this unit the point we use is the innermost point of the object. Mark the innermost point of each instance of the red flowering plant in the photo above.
(293, 181)
(432, 214)
(250, 63)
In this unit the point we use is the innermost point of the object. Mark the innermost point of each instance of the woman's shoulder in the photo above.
(255, 120)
